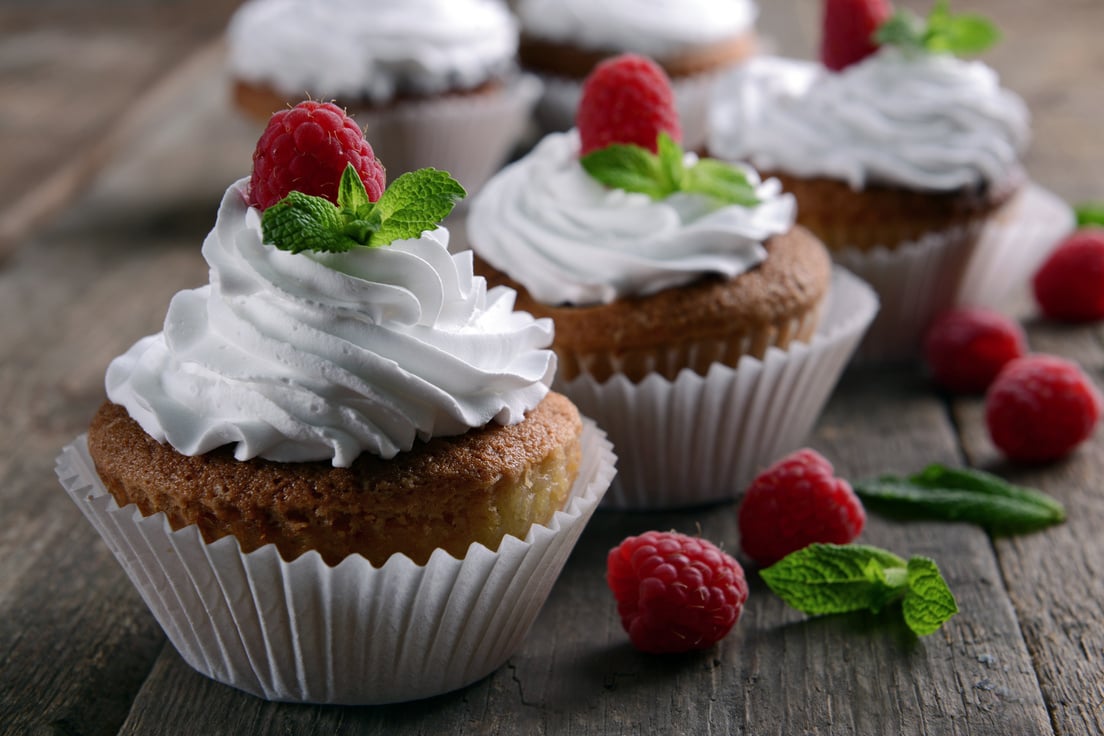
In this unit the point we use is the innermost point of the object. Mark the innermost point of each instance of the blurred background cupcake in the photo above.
(898, 151)
(433, 82)
(692, 40)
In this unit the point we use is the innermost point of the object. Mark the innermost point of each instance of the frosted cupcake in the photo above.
(434, 81)
(678, 309)
(345, 415)
(693, 40)
(898, 159)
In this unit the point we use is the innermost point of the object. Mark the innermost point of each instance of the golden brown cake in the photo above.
(448, 492)
(713, 319)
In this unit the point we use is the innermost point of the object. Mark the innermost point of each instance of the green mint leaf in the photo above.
(301, 222)
(966, 35)
(1089, 213)
(627, 167)
(941, 32)
(671, 167)
(829, 578)
(929, 602)
(351, 195)
(415, 202)
(721, 182)
(904, 30)
(962, 494)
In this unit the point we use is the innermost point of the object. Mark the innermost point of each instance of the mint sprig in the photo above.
(943, 32)
(415, 202)
(962, 494)
(830, 578)
(661, 174)
(1089, 214)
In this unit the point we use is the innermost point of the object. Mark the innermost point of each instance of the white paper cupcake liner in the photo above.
(914, 282)
(470, 136)
(556, 109)
(1013, 245)
(702, 439)
(352, 634)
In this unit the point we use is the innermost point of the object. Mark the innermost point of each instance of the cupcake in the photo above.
(344, 412)
(693, 40)
(435, 82)
(691, 315)
(898, 155)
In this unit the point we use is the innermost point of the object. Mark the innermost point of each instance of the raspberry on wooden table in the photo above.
(794, 503)
(1069, 285)
(848, 31)
(966, 347)
(675, 593)
(626, 99)
(307, 148)
(1041, 407)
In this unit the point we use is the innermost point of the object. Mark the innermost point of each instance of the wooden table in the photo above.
(117, 142)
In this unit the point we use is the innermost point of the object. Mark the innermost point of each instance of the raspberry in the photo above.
(1070, 283)
(675, 593)
(626, 99)
(965, 348)
(1040, 407)
(795, 502)
(306, 149)
(849, 27)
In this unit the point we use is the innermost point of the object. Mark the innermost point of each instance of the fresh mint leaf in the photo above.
(415, 202)
(941, 32)
(962, 494)
(721, 182)
(903, 29)
(928, 603)
(1089, 213)
(830, 578)
(628, 167)
(671, 166)
(301, 222)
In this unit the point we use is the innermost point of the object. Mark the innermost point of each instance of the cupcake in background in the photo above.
(434, 82)
(899, 152)
(694, 322)
(692, 40)
(338, 474)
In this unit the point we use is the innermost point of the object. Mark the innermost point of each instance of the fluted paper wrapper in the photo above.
(469, 136)
(1013, 245)
(557, 106)
(303, 631)
(702, 439)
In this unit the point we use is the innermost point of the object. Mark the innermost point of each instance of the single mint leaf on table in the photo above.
(659, 175)
(1089, 213)
(415, 202)
(829, 578)
(962, 494)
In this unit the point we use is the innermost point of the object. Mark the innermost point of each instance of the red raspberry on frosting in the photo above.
(675, 593)
(306, 149)
(1070, 284)
(1040, 407)
(848, 31)
(794, 503)
(626, 99)
(965, 348)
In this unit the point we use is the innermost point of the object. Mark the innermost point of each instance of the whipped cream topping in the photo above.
(925, 121)
(569, 239)
(320, 356)
(371, 49)
(654, 27)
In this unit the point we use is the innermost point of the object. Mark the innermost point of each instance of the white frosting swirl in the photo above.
(925, 121)
(569, 239)
(374, 49)
(653, 27)
(314, 356)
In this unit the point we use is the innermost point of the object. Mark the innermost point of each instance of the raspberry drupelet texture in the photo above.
(306, 149)
(675, 593)
(1069, 286)
(848, 30)
(626, 99)
(795, 502)
(1041, 407)
(966, 347)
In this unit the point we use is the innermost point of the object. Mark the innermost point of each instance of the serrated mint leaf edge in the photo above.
(406, 209)
(928, 602)
(863, 588)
